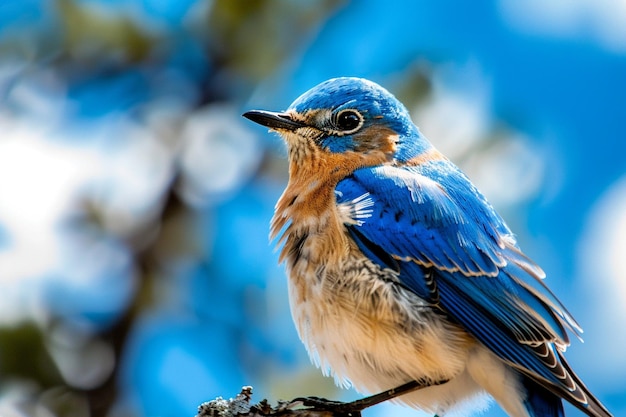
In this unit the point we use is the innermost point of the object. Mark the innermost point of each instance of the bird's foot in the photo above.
(336, 408)
(354, 408)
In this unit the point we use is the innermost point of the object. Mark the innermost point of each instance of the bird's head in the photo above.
(346, 115)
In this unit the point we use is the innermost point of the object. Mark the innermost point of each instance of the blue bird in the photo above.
(400, 270)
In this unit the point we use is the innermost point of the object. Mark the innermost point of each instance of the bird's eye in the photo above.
(348, 121)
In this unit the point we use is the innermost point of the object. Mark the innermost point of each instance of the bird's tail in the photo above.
(540, 402)
(591, 405)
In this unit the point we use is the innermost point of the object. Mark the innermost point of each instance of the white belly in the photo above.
(374, 335)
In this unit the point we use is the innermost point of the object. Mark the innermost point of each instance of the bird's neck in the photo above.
(306, 214)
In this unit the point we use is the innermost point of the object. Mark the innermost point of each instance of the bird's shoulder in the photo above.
(450, 246)
(429, 212)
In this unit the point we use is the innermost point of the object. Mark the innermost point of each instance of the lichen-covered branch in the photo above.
(241, 406)
(304, 406)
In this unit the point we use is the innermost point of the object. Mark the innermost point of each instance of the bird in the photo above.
(400, 271)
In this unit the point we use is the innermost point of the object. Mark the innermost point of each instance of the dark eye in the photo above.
(348, 120)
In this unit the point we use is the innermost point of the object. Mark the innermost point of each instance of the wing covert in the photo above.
(451, 248)
(419, 220)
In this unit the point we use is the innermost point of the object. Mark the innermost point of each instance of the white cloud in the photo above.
(38, 180)
(48, 184)
(603, 21)
(219, 153)
(602, 265)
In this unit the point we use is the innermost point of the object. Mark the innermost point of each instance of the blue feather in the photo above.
(411, 211)
(430, 219)
(433, 228)
(480, 306)
(541, 402)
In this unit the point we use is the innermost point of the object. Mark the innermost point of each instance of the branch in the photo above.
(315, 407)
(241, 406)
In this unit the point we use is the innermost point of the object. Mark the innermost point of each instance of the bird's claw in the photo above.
(336, 408)
(354, 408)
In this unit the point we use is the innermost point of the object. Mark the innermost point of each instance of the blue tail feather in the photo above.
(540, 402)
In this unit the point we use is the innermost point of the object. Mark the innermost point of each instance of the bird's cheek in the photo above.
(378, 137)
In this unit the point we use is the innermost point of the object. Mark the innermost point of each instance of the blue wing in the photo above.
(432, 226)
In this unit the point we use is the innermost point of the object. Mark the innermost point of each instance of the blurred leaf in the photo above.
(23, 354)
(65, 403)
(414, 84)
(255, 37)
(90, 33)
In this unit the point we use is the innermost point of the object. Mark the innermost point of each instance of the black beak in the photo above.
(273, 120)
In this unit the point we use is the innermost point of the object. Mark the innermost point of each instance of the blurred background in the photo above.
(136, 276)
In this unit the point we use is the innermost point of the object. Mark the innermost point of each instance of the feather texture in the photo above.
(400, 270)
(478, 274)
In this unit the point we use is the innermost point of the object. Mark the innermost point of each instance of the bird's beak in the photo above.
(273, 120)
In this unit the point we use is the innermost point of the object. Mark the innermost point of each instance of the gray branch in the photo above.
(241, 406)
(304, 406)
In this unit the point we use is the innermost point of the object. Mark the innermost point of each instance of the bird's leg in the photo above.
(354, 408)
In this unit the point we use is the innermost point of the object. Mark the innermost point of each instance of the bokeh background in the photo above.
(136, 277)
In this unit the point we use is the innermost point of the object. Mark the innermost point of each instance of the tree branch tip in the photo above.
(240, 406)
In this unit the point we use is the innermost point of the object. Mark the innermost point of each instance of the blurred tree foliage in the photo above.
(91, 36)
(262, 33)
(231, 44)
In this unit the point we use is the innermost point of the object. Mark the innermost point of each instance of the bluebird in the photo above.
(400, 271)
